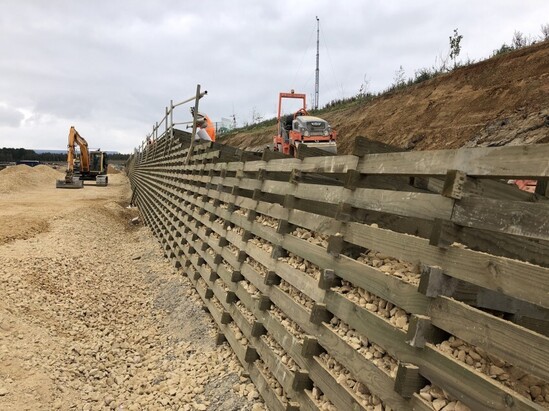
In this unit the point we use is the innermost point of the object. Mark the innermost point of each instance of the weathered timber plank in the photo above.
(412, 204)
(377, 381)
(337, 394)
(300, 280)
(335, 164)
(517, 345)
(266, 233)
(314, 222)
(482, 298)
(534, 324)
(517, 279)
(363, 145)
(501, 244)
(304, 151)
(257, 376)
(495, 189)
(271, 399)
(495, 162)
(260, 256)
(420, 205)
(391, 288)
(474, 389)
(259, 380)
(376, 328)
(271, 210)
(512, 217)
(388, 182)
(272, 155)
(287, 164)
(283, 375)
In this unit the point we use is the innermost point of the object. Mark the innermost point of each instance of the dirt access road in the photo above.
(92, 316)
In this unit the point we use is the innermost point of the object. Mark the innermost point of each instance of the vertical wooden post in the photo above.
(193, 134)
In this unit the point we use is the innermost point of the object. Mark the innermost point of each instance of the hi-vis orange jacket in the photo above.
(210, 127)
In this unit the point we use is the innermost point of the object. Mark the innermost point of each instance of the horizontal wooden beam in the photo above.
(512, 343)
(528, 162)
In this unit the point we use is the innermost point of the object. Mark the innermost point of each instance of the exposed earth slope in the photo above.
(500, 101)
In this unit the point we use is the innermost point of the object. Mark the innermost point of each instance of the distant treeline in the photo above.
(8, 155)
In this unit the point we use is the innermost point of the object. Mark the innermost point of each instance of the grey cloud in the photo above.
(10, 117)
(112, 66)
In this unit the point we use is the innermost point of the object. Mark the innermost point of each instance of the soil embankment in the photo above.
(500, 101)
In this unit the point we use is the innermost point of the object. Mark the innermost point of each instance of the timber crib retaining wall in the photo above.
(354, 281)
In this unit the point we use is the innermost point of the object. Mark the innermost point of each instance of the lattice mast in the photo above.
(317, 71)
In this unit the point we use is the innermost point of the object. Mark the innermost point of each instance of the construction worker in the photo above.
(206, 127)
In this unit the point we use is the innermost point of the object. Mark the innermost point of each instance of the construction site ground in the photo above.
(92, 316)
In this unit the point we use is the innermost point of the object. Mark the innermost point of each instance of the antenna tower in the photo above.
(317, 71)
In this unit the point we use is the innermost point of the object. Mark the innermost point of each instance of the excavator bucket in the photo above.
(74, 183)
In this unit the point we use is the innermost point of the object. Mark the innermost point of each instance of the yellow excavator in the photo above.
(92, 164)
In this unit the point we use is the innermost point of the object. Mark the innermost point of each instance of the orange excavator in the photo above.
(92, 165)
(302, 128)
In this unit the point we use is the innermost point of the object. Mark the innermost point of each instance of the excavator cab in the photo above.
(98, 162)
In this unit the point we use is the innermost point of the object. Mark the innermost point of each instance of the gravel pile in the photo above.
(262, 244)
(383, 308)
(371, 352)
(311, 236)
(513, 377)
(346, 379)
(440, 400)
(404, 270)
(302, 265)
(266, 221)
(21, 178)
(321, 401)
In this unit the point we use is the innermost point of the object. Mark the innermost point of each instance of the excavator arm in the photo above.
(74, 139)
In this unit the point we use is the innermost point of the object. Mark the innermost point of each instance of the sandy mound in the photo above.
(20, 227)
(20, 178)
(113, 170)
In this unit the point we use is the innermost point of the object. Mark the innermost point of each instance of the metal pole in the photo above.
(189, 154)
(317, 72)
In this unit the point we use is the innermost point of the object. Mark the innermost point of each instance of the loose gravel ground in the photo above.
(93, 317)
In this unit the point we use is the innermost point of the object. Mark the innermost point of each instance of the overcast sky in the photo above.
(110, 67)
